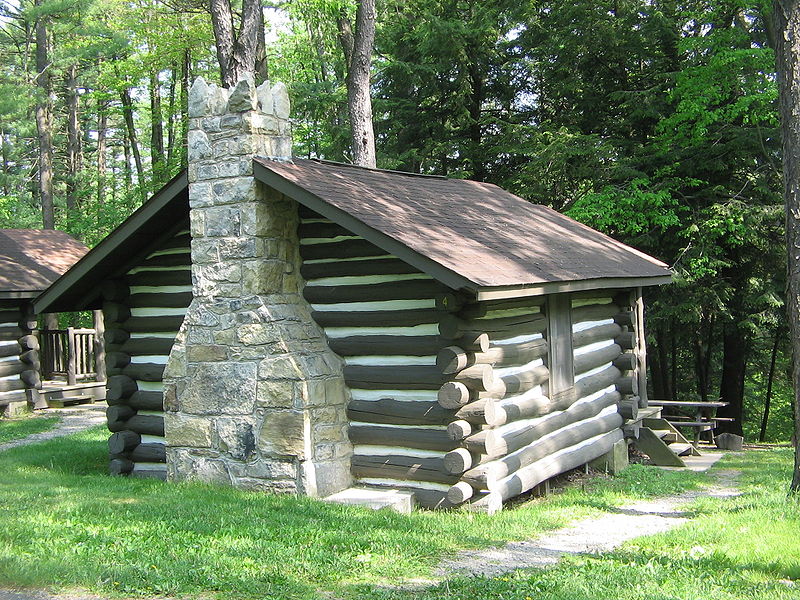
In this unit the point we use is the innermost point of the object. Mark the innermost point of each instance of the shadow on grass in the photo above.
(82, 528)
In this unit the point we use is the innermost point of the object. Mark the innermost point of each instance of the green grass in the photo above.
(18, 428)
(65, 524)
(746, 547)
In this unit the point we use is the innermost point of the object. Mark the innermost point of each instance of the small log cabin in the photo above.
(304, 326)
(30, 260)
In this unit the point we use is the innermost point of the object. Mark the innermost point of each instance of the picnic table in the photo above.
(700, 416)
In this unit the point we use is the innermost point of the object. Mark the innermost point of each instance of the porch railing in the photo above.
(68, 353)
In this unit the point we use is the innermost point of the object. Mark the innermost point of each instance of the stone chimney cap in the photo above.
(208, 99)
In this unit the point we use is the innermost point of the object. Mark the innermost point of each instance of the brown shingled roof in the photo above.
(478, 231)
(32, 259)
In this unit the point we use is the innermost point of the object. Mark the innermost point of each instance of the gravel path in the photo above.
(600, 534)
(73, 420)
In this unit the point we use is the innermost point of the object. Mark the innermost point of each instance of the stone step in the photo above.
(375, 499)
(681, 449)
(69, 401)
(667, 435)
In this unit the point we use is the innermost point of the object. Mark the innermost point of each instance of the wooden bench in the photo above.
(703, 417)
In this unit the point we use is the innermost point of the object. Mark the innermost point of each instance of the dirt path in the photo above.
(600, 534)
(73, 420)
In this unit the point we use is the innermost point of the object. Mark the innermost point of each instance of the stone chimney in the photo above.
(253, 397)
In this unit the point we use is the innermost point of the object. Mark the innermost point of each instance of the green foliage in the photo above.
(653, 121)
(628, 212)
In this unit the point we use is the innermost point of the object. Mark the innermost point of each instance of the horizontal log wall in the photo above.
(380, 316)
(19, 354)
(512, 433)
(143, 311)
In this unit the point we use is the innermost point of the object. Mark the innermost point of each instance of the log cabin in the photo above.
(30, 261)
(304, 326)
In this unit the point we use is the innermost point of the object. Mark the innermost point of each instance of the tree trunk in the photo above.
(661, 385)
(475, 128)
(732, 383)
(127, 112)
(102, 130)
(770, 377)
(244, 53)
(787, 25)
(345, 36)
(172, 120)
(673, 354)
(156, 132)
(703, 357)
(44, 123)
(186, 69)
(73, 138)
(359, 101)
(126, 150)
(6, 173)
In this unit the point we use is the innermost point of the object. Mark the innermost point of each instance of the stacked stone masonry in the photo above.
(253, 396)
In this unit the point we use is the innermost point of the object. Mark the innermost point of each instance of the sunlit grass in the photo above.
(738, 548)
(65, 523)
(18, 428)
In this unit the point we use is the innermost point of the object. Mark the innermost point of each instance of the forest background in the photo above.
(653, 121)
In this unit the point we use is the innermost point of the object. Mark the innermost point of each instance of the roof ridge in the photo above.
(334, 163)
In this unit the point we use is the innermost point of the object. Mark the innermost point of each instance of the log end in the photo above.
(458, 460)
(460, 492)
(453, 394)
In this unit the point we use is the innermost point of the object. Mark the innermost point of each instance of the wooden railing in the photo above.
(68, 353)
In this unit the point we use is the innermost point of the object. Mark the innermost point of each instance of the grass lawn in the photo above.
(83, 529)
(747, 547)
(17, 428)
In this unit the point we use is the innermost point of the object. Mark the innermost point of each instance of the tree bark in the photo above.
(44, 123)
(703, 357)
(770, 377)
(173, 118)
(127, 112)
(186, 69)
(359, 101)
(6, 173)
(345, 36)
(156, 132)
(673, 353)
(732, 382)
(73, 138)
(102, 130)
(475, 129)
(242, 53)
(787, 25)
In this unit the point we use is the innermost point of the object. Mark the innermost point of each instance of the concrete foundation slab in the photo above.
(698, 464)
(402, 502)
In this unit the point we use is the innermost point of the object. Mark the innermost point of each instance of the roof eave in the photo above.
(558, 287)
(442, 274)
(70, 291)
(21, 294)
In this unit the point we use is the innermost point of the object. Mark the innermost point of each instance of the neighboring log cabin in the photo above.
(305, 326)
(30, 260)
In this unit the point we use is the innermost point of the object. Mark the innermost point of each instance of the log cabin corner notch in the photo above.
(349, 324)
